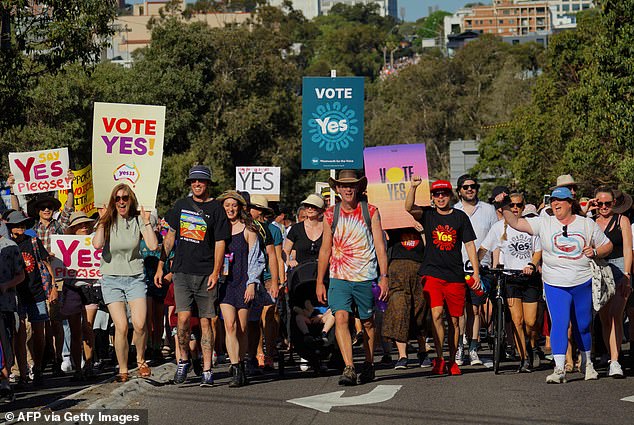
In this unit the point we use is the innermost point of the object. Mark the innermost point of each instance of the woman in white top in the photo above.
(518, 251)
(568, 241)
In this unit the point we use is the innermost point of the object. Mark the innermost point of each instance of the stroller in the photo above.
(301, 283)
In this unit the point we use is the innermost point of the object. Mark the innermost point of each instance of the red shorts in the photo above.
(439, 293)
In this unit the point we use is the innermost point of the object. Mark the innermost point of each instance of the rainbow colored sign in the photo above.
(389, 170)
(127, 147)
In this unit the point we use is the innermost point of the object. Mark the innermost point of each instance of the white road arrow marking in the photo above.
(630, 398)
(325, 402)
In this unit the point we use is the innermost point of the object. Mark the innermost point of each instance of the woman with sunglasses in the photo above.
(119, 234)
(617, 228)
(518, 251)
(244, 264)
(568, 241)
(304, 238)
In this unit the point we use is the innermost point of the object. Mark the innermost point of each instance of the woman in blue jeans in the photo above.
(568, 241)
(119, 233)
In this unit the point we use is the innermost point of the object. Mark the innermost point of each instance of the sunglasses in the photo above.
(47, 208)
(516, 204)
(124, 198)
(565, 231)
(558, 199)
(440, 193)
(198, 181)
(307, 206)
(606, 204)
(470, 186)
(313, 248)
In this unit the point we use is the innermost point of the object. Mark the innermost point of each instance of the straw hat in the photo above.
(232, 194)
(79, 217)
(259, 202)
(349, 177)
(564, 180)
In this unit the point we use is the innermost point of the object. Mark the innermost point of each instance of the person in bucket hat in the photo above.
(197, 234)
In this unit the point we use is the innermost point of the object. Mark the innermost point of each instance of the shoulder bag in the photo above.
(603, 285)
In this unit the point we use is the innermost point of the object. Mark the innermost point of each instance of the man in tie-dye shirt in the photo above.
(352, 248)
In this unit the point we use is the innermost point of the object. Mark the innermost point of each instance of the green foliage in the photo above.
(431, 26)
(580, 118)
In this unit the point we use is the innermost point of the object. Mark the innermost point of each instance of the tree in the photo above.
(40, 38)
(580, 118)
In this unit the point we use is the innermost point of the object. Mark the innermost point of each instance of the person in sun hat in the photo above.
(354, 247)
(446, 230)
(263, 313)
(198, 233)
(568, 242)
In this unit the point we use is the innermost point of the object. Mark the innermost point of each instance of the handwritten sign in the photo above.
(259, 181)
(127, 147)
(40, 171)
(75, 257)
(84, 196)
(389, 170)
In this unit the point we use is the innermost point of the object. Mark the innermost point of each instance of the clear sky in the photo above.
(415, 9)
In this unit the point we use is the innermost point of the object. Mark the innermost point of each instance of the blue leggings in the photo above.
(566, 305)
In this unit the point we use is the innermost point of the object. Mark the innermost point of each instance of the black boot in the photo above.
(243, 374)
(236, 381)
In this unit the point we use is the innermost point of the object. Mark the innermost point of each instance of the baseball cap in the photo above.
(441, 185)
(562, 193)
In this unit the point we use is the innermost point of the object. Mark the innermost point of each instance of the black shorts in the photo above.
(527, 290)
(474, 299)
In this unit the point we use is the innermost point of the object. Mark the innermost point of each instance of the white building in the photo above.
(564, 12)
(312, 8)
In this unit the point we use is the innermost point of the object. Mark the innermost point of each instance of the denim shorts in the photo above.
(122, 288)
(36, 312)
(341, 294)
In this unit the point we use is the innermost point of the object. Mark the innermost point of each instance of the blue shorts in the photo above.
(122, 288)
(341, 294)
(36, 312)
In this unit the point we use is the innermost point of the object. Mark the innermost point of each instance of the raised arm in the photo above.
(410, 206)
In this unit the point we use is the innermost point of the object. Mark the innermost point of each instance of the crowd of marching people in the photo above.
(223, 276)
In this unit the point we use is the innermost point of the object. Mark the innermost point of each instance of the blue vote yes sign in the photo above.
(332, 123)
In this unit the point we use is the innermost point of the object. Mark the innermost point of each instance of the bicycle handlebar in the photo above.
(494, 271)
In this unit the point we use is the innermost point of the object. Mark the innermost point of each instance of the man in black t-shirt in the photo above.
(446, 229)
(200, 225)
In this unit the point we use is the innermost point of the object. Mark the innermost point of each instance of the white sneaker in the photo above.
(67, 366)
(303, 364)
(459, 355)
(588, 370)
(557, 377)
(615, 370)
(474, 358)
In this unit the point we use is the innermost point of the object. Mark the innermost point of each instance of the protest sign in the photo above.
(84, 197)
(40, 171)
(332, 123)
(389, 170)
(127, 147)
(259, 181)
(75, 257)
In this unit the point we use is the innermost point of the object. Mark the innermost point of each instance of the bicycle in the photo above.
(497, 295)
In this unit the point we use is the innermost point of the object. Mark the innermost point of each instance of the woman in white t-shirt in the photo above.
(518, 251)
(568, 241)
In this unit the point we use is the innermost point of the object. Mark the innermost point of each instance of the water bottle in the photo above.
(469, 280)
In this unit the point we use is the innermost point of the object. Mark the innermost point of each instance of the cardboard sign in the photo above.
(75, 257)
(389, 170)
(127, 147)
(84, 197)
(259, 181)
(40, 171)
(332, 123)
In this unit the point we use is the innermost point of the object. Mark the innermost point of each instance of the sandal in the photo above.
(144, 370)
(122, 377)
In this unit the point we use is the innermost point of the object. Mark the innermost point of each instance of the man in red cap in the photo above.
(446, 229)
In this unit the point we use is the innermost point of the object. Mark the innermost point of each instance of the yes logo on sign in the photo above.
(333, 123)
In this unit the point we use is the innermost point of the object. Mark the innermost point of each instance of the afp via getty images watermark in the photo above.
(81, 417)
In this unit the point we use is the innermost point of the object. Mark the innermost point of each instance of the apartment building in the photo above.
(313, 8)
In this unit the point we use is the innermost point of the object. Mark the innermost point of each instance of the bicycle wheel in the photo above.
(498, 341)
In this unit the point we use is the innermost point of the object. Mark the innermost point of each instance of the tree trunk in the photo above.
(5, 28)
